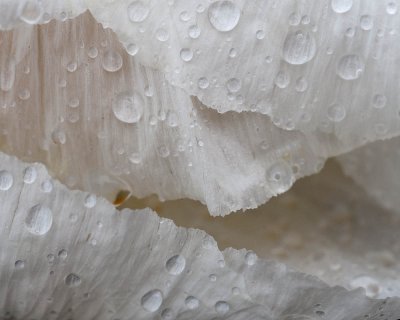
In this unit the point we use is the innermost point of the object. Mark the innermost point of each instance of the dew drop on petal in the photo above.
(223, 15)
(186, 54)
(112, 61)
(152, 300)
(6, 180)
(233, 85)
(39, 220)
(250, 258)
(128, 107)
(341, 6)
(19, 264)
(194, 31)
(30, 175)
(166, 314)
(138, 11)
(90, 201)
(175, 265)
(299, 48)
(72, 280)
(92, 52)
(203, 83)
(280, 177)
(192, 303)
(162, 35)
(350, 67)
(391, 8)
(336, 112)
(366, 22)
(379, 101)
(132, 49)
(222, 307)
(31, 12)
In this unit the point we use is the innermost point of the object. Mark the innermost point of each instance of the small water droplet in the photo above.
(7, 75)
(47, 186)
(301, 84)
(175, 265)
(192, 303)
(163, 151)
(366, 22)
(233, 85)
(162, 35)
(212, 277)
(223, 15)
(62, 254)
(112, 61)
(24, 94)
(39, 220)
(132, 49)
(350, 67)
(128, 107)
(299, 48)
(260, 34)
(194, 31)
(222, 307)
(391, 8)
(135, 158)
(336, 112)
(30, 175)
(166, 314)
(90, 201)
(203, 83)
(280, 177)
(138, 11)
(379, 101)
(6, 180)
(72, 66)
(341, 6)
(92, 52)
(72, 280)
(152, 300)
(282, 79)
(58, 136)
(186, 54)
(19, 264)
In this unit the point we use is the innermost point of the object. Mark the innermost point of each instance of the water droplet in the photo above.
(132, 49)
(350, 67)
(299, 48)
(112, 61)
(194, 32)
(31, 12)
(212, 277)
(19, 264)
(62, 254)
(39, 220)
(25, 94)
(6, 180)
(186, 54)
(236, 291)
(50, 258)
(192, 303)
(73, 103)
(172, 119)
(301, 84)
(341, 6)
(163, 151)
(135, 158)
(223, 15)
(391, 8)
(128, 107)
(166, 314)
(92, 52)
(184, 16)
(336, 112)
(222, 307)
(152, 300)
(250, 258)
(280, 177)
(58, 136)
(232, 53)
(294, 19)
(162, 35)
(203, 83)
(138, 11)
(370, 285)
(260, 34)
(366, 22)
(72, 280)
(72, 66)
(175, 265)
(282, 79)
(233, 85)
(46, 186)
(379, 101)
(90, 201)
(30, 175)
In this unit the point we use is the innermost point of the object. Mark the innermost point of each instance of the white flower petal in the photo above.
(102, 263)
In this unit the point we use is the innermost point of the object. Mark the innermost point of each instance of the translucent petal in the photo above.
(97, 262)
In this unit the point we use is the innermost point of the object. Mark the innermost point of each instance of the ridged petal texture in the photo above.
(100, 263)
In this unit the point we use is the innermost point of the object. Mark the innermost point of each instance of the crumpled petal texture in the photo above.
(68, 254)
(75, 100)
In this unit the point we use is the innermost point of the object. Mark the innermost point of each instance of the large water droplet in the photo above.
(138, 11)
(39, 220)
(192, 303)
(72, 280)
(128, 107)
(223, 15)
(341, 6)
(112, 61)
(280, 177)
(6, 180)
(152, 300)
(175, 265)
(222, 307)
(350, 67)
(299, 48)
(31, 12)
